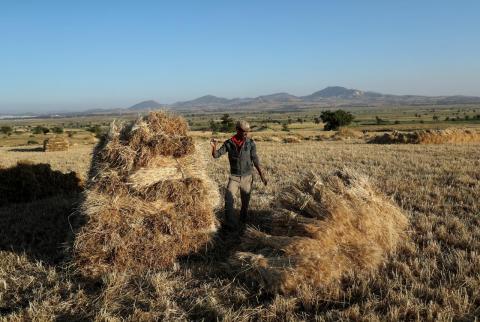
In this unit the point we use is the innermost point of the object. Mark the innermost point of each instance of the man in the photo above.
(242, 153)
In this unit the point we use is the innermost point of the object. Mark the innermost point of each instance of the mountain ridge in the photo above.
(331, 95)
(328, 97)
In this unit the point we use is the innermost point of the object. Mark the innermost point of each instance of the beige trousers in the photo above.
(244, 183)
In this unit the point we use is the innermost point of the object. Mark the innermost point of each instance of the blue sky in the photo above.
(74, 55)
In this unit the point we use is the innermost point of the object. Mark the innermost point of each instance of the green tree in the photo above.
(227, 124)
(285, 127)
(214, 126)
(334, 120)
(316, 120)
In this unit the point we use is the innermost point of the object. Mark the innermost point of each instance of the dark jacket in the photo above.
(240, 161)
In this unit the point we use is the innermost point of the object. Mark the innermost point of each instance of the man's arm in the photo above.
(256, 162)
(217, 153)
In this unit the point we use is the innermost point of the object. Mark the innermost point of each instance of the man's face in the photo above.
(241, 133)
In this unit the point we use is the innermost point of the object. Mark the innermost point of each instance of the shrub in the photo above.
(6, 129)
(96, 129)
(334, 120)
(57, 130)
(40, 130)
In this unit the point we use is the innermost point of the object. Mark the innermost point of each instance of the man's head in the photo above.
(242, 128)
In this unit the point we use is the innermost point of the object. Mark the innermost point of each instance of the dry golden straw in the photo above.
(55, 144)
(148, 199)
(323, 228)
(429, 137)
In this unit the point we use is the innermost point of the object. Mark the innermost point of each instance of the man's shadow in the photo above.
(35, 205)
(227, 241)
(211, 265)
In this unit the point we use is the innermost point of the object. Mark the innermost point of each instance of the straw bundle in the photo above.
(324, 228)
(273, 139)
(55, 144)
(258, 138)
(429, 137)
(291, 139)
(346, 133)
(148, 199)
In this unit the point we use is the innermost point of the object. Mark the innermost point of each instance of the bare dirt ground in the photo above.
(433, 277)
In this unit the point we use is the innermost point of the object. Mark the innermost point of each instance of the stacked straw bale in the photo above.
(451, 135)
(148, 199)
(56, 143)
(323, 228)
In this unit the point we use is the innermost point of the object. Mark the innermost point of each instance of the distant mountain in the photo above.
(329, 96)
(207, 100)
(146, 105)
(332, 96)
(340, 92)
(334, 91)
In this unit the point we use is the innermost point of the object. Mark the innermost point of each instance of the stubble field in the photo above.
(435, 275)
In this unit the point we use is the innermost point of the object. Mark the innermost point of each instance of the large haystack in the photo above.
(323, 228)
(428, 137)
(57, 143)
(148, 199)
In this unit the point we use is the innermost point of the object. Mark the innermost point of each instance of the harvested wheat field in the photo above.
(148, 199)
(432, 276)
(323, 228)
(452, 135)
